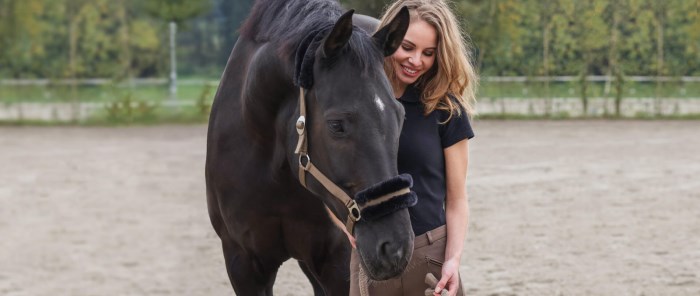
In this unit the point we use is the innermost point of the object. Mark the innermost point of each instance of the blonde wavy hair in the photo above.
(453, 73)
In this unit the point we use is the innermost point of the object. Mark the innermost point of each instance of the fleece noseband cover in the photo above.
(373, 208)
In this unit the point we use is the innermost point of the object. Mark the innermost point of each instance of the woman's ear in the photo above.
(390, 36)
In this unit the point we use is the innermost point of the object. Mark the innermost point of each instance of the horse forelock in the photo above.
(360, 49)
(364, 52)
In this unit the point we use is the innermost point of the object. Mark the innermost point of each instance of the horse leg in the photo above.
(318, 290)
(332, 269)
(247, 275)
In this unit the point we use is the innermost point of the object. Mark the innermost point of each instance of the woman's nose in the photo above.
(414, 60)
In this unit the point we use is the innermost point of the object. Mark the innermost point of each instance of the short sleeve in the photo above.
(456, 129)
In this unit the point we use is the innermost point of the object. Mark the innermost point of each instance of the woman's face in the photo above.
(417, 52)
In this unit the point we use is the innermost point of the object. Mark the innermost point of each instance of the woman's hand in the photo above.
(457, 214)
(450, 278)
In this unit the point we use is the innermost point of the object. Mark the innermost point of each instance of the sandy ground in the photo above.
(557, 208)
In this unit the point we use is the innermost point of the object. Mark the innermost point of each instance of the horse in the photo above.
(277, 182)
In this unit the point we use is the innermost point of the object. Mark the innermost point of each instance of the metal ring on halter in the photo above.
(308, 161)
(354, 211)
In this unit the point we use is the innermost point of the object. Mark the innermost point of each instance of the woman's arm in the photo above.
(457, 214)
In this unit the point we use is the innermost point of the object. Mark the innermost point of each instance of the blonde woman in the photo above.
(432, 76)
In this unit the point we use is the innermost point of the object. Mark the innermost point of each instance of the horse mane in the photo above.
(286, 23)
(271, 20)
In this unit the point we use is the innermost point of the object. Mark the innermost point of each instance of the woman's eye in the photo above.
(428, 53)
(336, 126)
(406, 48)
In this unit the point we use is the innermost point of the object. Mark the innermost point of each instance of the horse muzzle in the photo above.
(385, 237)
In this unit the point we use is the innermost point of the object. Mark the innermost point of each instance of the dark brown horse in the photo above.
(257, 203)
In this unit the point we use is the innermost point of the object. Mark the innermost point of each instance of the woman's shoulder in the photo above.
(454, 122)
(450, 107)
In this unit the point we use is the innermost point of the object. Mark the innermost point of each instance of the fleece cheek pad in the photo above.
(386, 197)
(305, 56)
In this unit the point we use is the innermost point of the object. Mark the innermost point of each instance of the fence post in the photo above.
(173, 64)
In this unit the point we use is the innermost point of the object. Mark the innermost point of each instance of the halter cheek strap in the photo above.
(305, 165)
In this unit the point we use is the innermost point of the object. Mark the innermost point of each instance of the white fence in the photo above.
(164, 81)
(593, 78)
(629, 107)
(66, 112)
(572, 107)
(102, 81)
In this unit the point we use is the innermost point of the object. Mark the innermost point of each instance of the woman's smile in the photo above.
(410, 71)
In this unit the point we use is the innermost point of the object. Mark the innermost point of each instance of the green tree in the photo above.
(372, 8)
(20, 37)
(581, 41)
(498, 33)
(544, 12)
(615, 13)
(175, 12)
(233, 14)
(659, 10)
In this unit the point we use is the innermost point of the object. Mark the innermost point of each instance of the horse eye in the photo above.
(336, 126)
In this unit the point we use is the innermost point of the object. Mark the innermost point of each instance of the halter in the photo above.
(393, 193)
(305, 165)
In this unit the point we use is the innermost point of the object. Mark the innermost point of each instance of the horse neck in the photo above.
(266, 89)
(256, 95)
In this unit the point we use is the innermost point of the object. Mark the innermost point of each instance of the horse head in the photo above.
(352, 126)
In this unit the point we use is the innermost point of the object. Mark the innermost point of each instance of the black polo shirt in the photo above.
(421, 154)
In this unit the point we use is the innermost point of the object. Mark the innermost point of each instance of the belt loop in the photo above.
(429, 234)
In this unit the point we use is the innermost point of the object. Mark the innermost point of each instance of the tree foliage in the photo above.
(116, 39)
(177, 11)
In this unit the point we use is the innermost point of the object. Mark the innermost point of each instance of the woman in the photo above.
(433, 78)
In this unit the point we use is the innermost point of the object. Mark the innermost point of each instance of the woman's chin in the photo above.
(408, 80)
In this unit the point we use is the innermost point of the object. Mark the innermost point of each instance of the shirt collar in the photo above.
(410, 95)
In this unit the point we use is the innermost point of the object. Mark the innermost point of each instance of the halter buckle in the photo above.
(353, 211)
(301, 125)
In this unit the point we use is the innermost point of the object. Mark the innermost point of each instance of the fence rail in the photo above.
(165, 81)
(63, 112)
(102, 81)
(595, 78)
(51, 100)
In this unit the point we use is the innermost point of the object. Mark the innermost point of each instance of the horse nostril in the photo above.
(391, 251)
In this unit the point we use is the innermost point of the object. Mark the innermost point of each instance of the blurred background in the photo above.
(558, 207)
(103, 61)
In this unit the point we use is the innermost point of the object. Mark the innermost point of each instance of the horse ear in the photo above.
(390, 36)
(340, 35)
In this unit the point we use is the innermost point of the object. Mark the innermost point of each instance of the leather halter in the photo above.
(392, 194)
(305, 165)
